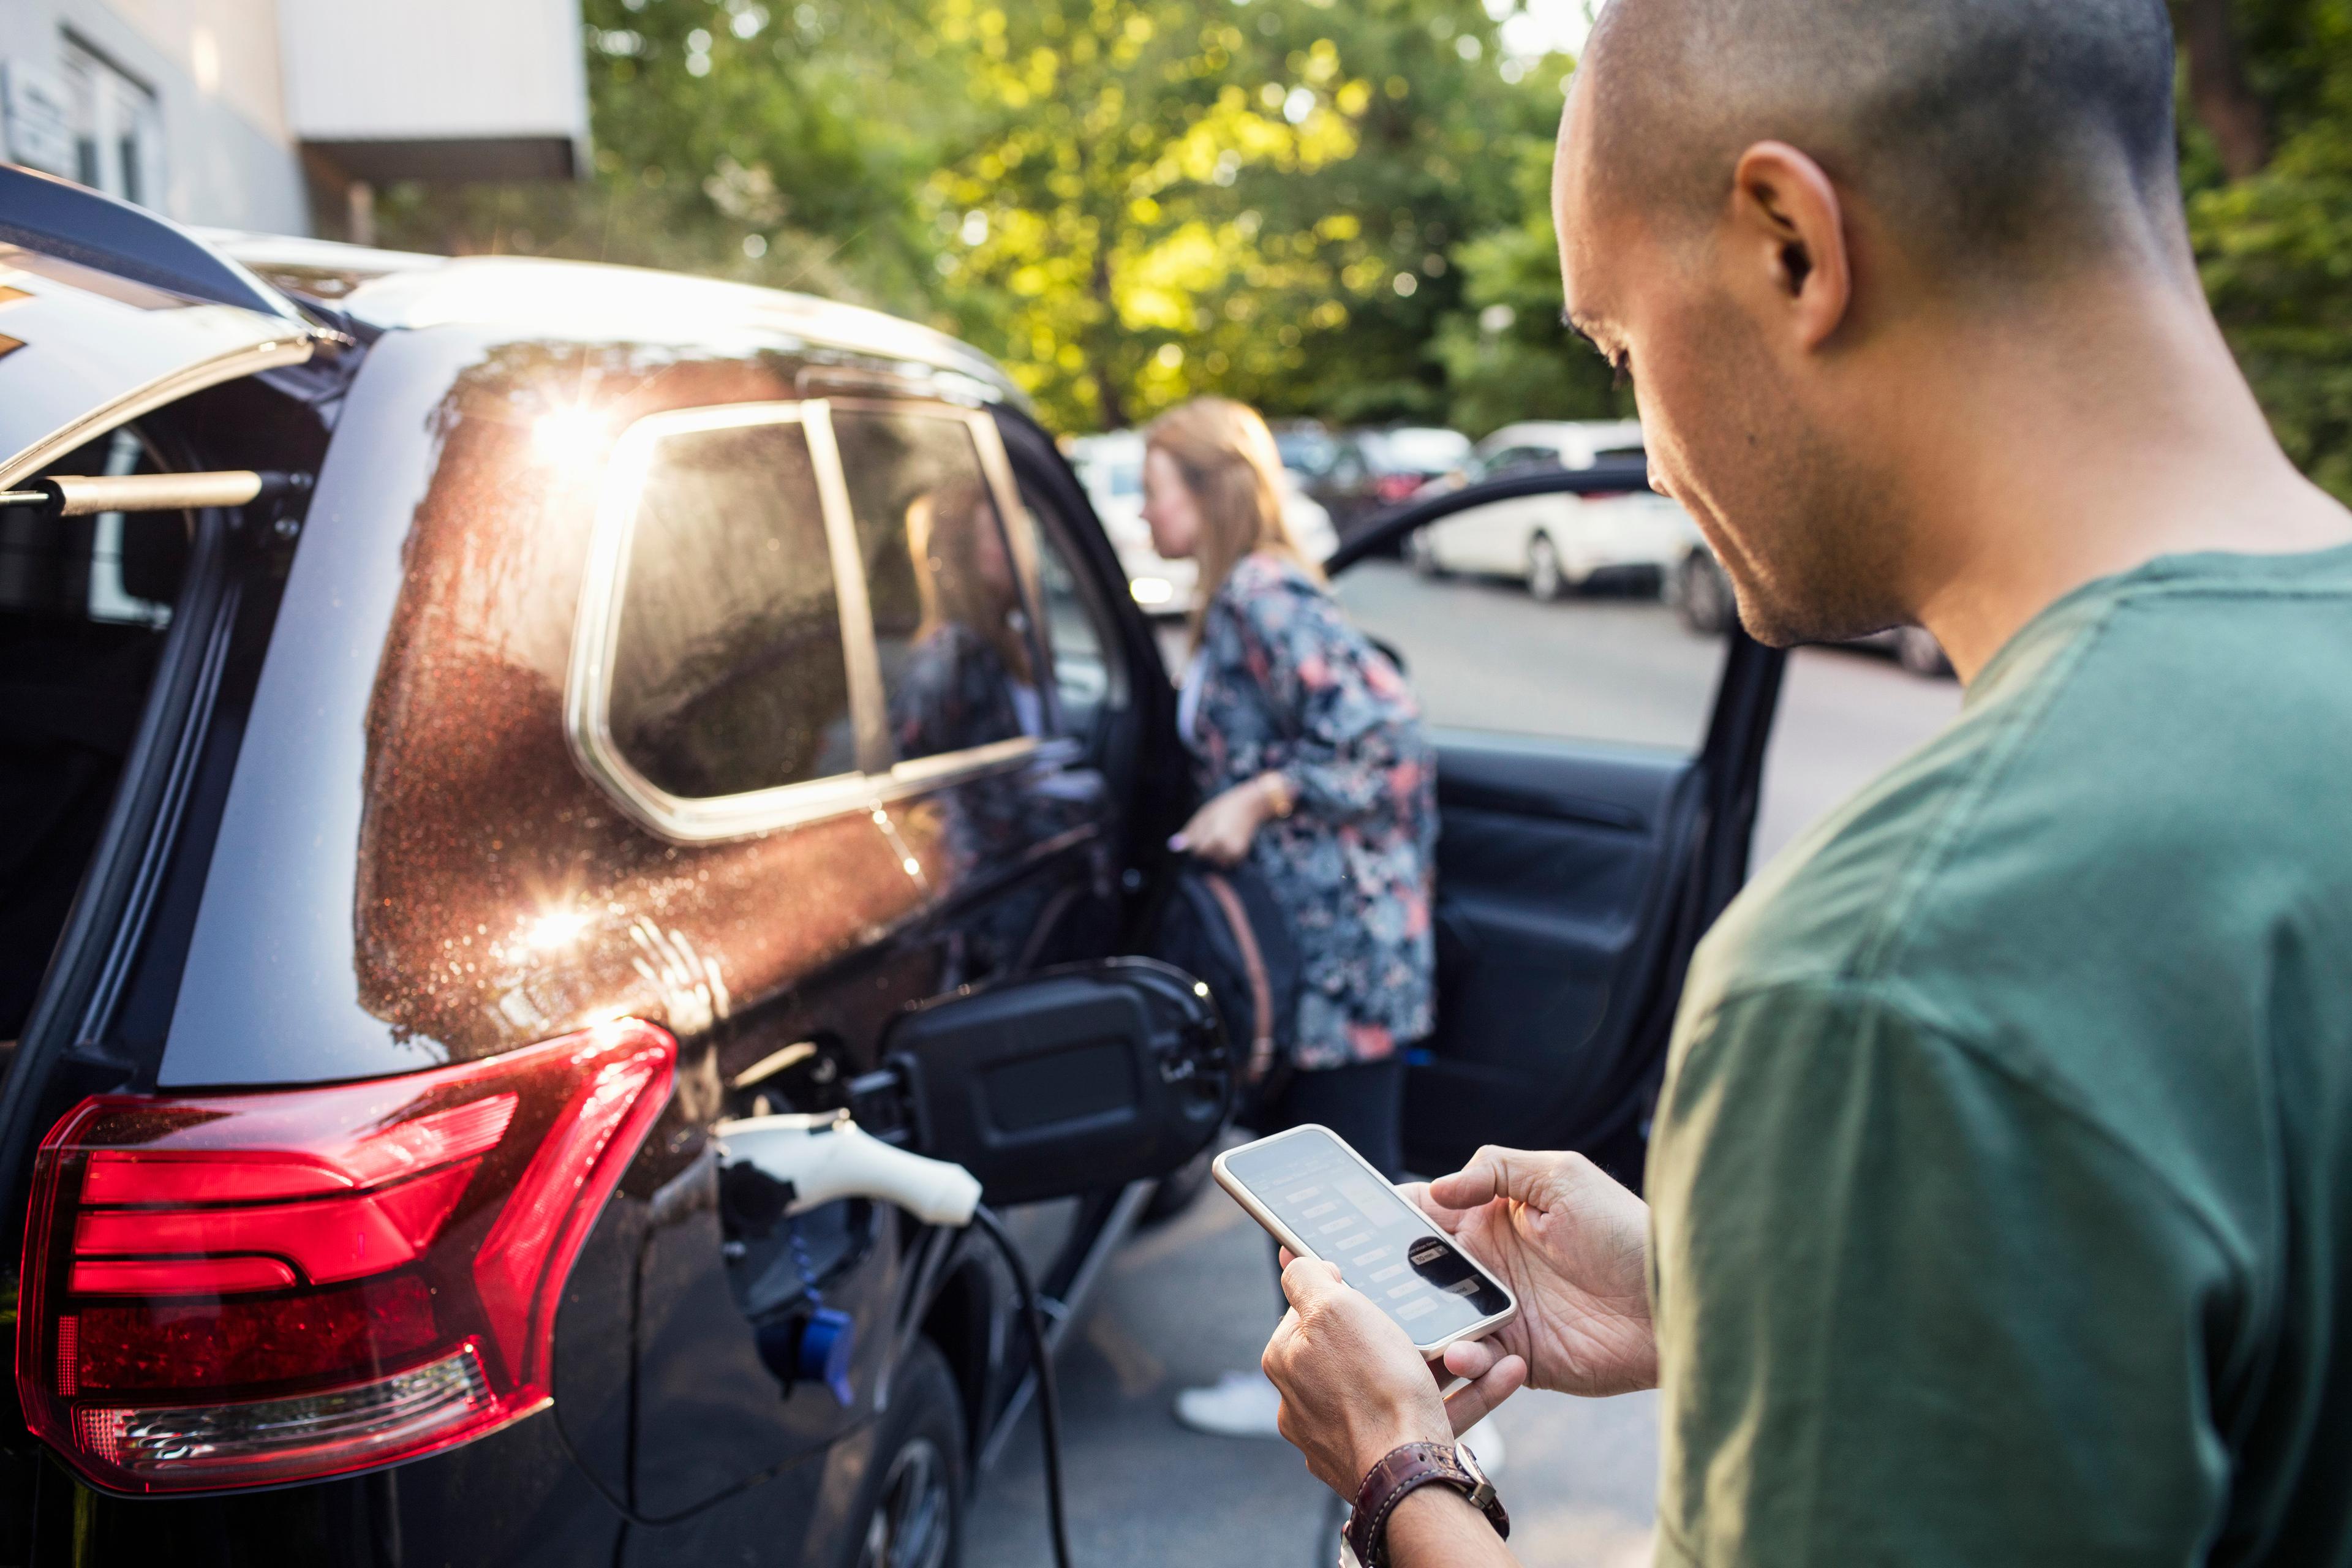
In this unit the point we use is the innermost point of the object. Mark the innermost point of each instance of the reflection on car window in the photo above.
(1075, 633)
(728, 672)
(948, 622)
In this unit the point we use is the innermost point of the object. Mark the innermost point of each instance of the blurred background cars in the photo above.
(1367, 471)
(1308, 448)
(1556, 542)
(1700, 595)
(1112, 468)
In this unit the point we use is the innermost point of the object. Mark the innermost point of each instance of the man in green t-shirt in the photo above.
(2000, 1187)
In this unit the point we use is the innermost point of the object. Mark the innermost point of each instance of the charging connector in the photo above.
(825, 1158)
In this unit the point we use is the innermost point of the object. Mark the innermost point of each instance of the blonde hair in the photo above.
(1231, 465)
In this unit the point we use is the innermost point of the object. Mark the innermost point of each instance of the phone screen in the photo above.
(1383, 1246)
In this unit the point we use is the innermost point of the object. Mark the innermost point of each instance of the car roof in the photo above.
(403, 291)
(1579, 442)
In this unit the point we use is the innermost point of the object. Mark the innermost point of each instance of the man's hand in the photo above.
(1353, 1386)
(1573, 1246)
(1220, 831)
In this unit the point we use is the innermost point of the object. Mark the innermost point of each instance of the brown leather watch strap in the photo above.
(1400, 1473)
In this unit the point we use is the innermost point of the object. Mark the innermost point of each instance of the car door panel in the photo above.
(1549, 871)
(106, 319)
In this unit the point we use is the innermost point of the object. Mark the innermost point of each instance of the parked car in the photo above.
(1368, 470)
(1555, 544)
(642, 698)
(573, 709)
(1112, 468)
(1307, 446)
(1701, 594)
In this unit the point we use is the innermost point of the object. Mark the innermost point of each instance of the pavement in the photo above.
(1196, 1298)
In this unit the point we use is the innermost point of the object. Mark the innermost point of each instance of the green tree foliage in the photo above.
(2273, 233)
(777, 145)
(1508, 353)
(1329, 207)
(1169, 198)
(1129, 201)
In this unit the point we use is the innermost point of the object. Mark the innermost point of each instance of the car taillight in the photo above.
(1398, 487)
(246, 1290)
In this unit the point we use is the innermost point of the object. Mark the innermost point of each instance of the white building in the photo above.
(257, 114)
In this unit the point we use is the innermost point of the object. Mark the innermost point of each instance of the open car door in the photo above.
(1599, 767)
(107, 312)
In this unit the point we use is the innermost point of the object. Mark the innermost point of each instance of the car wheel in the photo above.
(1916, 649)
(1702, 597)
(1546, 581)
(909, 1513)
(1422, 555)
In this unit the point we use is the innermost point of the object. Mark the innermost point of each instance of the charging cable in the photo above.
(1049, 1413)
(826, 1158)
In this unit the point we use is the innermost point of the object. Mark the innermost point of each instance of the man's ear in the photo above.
(1788, 230)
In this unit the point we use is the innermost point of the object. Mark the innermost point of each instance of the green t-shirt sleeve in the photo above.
(1913, 1311)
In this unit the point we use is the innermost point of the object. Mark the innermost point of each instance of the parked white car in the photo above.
(1112, 468)
(1556, 542)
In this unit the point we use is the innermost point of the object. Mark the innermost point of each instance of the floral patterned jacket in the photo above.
(1288, 685)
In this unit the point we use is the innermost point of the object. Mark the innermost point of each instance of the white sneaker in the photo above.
(1486, 1440)
(1239, 1404)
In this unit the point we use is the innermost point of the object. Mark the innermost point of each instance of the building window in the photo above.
(117, 129)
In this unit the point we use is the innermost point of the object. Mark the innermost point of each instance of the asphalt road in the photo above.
(1195, 1298)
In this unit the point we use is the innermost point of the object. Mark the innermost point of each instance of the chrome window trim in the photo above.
(596, 629)
(996, 471)
(869, 706)
(1026, 572)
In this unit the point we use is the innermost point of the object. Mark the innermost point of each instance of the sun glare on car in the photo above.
(570, 437)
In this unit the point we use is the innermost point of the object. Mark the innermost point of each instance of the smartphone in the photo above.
(1321, 1199)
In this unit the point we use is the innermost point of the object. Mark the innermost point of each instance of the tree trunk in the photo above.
(1114, 406)
(2218, 89)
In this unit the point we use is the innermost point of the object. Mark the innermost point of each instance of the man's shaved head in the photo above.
(1787, 218)
(1990, 134)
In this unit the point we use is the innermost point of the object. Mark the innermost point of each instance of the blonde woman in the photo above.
(1312, 762)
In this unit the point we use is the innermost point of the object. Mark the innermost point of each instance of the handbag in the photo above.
(1222, 926)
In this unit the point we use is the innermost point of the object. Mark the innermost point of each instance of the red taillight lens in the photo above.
(1397, 486)
(249, 1290)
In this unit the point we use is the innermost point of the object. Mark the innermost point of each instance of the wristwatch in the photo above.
(1402, 1472)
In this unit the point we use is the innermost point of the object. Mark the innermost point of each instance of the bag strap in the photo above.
(1261, 1060)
